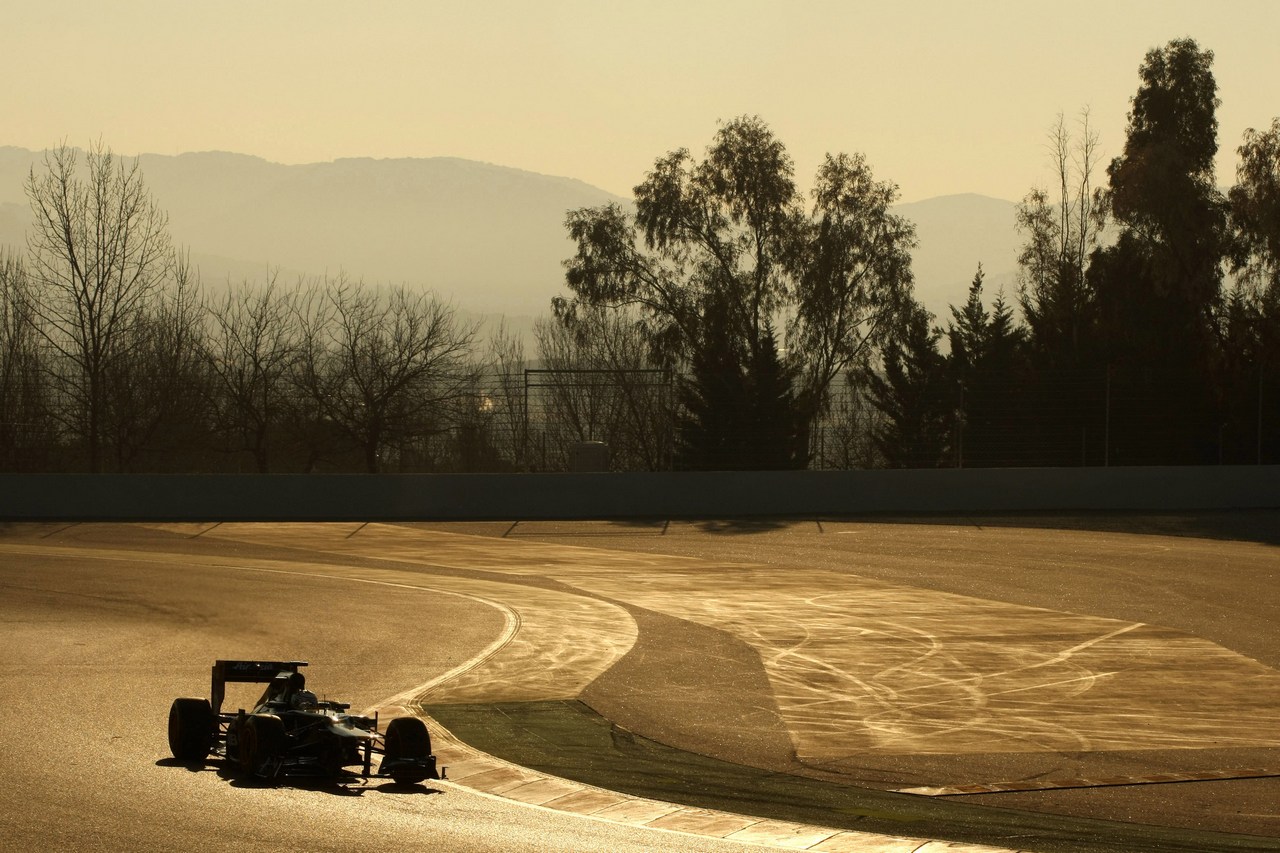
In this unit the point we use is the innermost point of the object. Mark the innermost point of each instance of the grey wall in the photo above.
(659, 495)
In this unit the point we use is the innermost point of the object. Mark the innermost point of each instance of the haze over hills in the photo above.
(489, 237)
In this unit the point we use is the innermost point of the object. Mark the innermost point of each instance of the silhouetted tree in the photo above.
(986, 364)
(967, 331)
(507, 364)
(251, 349)
(606, 384)
(1255, 209)
(382, 366)
(1164, 196)
(778, 430)
(158, 387)
(1158, 286)
(847, 437)
(731, 233)
(1250, 368)
(1061, 231)
(715, 422)
(913, 392)
(474, 446)
(738, 407)
(1249, 376)
(26, 433)
(1063, 401)
(99, 252)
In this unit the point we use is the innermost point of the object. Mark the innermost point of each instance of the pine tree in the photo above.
(777, 438)
(986, 365)
(967, 331)
(739, 411)
(911, 392)
(714, 402)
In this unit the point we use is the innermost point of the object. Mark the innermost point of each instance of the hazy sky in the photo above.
(942, 97)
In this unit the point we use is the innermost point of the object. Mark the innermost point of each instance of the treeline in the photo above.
(115, 358)
(1150, 305)
(729, 321)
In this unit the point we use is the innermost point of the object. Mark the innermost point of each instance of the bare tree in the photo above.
(251, 350)
(507, 364)
(99, 252)
(382, 366)
(602, 383)
(642, 427)
(23, 404)
(158, 385)
(1062, 228)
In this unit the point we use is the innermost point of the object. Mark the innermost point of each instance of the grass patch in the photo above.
(569, 740)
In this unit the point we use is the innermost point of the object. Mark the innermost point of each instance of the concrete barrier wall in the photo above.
(319, 497)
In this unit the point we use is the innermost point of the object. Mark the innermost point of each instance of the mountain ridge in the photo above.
(490, 237)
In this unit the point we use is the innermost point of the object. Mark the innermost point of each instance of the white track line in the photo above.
(1100, 782)
(510, 627)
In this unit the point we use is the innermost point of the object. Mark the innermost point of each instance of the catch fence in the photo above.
(532, 420)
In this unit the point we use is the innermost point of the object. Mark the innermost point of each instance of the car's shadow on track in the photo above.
(346, 785)
(397, 788)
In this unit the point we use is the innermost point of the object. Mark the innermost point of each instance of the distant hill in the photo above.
(490, 237)
(956, 233)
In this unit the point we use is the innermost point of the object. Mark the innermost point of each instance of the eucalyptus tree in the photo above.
(1159, 286)
(1255, 209)
(1250, 324)
(729, 242)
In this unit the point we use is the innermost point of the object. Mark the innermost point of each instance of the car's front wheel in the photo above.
(407, 738)
(262, 738)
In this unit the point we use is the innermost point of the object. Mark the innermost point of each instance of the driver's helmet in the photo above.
(304, 699)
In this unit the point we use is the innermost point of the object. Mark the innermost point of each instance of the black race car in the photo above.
(291, 732)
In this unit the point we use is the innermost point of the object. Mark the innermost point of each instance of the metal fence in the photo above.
(532, 420)
(1066, 418)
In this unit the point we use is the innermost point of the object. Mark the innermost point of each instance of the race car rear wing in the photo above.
(245, 671)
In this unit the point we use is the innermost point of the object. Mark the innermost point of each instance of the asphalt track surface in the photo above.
(882, 655)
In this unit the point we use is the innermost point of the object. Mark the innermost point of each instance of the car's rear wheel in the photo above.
(407, 737)
(190, 729)
(262, 738)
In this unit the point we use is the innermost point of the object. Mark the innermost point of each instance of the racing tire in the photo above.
(407, 737)
(190, 729)
(262, 738)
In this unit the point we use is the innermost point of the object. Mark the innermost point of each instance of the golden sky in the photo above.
(942, 97)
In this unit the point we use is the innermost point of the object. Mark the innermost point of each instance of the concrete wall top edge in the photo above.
(635, 495)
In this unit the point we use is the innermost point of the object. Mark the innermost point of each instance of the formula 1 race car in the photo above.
(290, 732)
